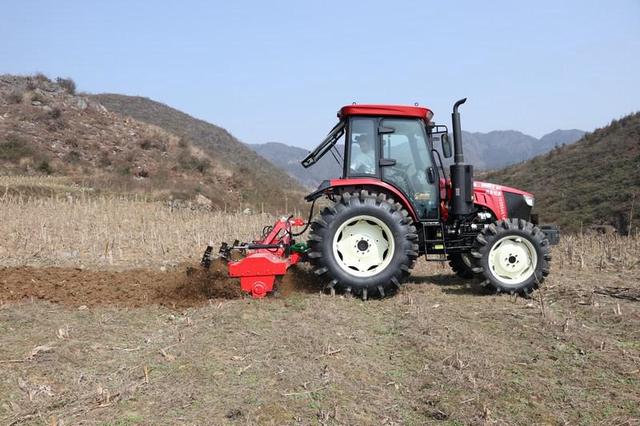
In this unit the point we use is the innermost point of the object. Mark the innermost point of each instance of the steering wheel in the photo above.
(402, 172)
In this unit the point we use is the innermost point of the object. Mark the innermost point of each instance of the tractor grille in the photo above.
(516, 206)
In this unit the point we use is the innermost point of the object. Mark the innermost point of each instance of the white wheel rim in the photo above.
(513, 259)
(363, 246)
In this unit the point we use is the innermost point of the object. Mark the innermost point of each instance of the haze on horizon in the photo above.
(280, 71)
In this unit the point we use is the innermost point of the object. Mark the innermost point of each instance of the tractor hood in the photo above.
(479, 186)
(504, 201)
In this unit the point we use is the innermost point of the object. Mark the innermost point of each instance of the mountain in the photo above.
(558, 138)
(593, 181)
(288, 159)
(48, 129)
(485, 151)
(257, 180)
(501, 148)
(497, 148)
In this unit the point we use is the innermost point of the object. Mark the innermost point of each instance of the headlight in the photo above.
(529, 200)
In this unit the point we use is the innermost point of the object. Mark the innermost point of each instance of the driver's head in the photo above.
(364, 141)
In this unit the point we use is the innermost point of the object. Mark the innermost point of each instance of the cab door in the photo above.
(406, 162)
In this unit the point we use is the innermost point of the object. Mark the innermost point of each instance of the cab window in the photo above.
(362, 140)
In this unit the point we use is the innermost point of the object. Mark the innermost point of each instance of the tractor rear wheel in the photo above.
(512, 256)
(461, 264)
(365, 244)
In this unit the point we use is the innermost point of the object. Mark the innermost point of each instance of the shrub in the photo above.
(189, 162)
(72, 156)
(153, 142)
(54, 119)
(40, 77)
(67, 84)
(44, 167)
(104, 160)
(202, 165)
(14, 148)
(31, 84)
(72, 142)
(185, 159)
(15, 96)
(55, 113)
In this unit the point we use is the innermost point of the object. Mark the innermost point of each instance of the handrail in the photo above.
(325, 145)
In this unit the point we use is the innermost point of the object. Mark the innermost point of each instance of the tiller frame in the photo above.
(264, 260)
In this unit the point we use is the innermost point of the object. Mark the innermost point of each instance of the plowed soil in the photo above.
(181, 287)
(298, 279)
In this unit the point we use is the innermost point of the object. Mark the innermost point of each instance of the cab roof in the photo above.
(388, 110)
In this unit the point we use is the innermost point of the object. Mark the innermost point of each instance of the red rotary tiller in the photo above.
(264, 260)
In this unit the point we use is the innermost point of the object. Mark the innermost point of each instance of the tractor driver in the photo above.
(364, 161)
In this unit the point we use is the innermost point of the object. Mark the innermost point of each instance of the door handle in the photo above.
(431, 175)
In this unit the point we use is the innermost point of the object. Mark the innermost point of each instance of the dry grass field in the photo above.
(80, 230)
(99, 324)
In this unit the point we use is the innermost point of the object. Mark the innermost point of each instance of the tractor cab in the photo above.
(390, 144)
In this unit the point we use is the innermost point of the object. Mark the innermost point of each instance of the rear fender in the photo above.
(333, 186)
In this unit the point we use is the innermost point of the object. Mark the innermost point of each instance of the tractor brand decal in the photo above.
(493, 198)
(485, 185)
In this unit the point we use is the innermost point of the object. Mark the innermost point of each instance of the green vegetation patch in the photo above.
(14, 148)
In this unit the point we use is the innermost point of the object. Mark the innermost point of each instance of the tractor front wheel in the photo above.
(512, 256)
(461, 264)
(365, 244)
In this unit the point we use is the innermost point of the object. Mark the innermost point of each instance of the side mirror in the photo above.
(446, 145)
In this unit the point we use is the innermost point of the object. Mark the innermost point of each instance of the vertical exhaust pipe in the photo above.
(461, 174)
(457, 133)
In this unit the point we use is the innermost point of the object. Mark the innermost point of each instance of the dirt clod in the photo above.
(213, 283)
(298, 279)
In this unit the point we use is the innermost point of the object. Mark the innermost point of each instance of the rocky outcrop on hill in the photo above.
(48, 128)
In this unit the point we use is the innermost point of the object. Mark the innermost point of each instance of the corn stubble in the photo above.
(78, 229)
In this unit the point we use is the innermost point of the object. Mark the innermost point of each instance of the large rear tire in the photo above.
(365, 244)
(512, 256)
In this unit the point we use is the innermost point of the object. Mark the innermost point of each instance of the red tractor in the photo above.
(395, 203)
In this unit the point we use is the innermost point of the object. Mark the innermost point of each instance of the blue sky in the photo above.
(279, 70)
